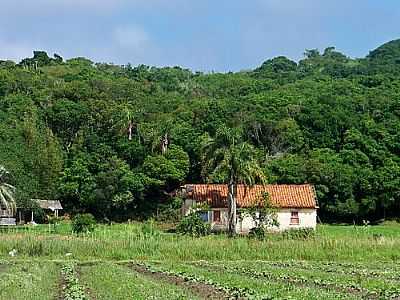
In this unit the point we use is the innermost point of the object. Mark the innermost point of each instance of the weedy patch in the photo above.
(28, 280)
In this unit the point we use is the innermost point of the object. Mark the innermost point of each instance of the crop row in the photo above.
(388, 292)
(234, 292)
(71, 287)
(295, 280)
(387, 272)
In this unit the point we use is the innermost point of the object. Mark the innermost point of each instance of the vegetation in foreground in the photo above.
(145, 242)
(29, 280)
(139, 261)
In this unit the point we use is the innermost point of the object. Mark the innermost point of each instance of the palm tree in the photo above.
(126, 120)
(233, 161)
(7, 191)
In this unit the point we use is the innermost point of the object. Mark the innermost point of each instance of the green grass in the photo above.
(124, 242)
(33, 281)
(252, 287)
(388, 230)
(340, 262)
(364, 280)
(110, 281)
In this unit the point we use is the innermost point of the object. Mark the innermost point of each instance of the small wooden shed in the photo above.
(50, 205)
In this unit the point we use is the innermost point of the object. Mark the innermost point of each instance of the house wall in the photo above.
(6, 212)
(307, 219)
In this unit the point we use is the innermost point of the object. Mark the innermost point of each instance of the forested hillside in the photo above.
(117, 140)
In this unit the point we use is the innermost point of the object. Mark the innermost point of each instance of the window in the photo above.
(217, 216)
(294, 218)
(203, 215)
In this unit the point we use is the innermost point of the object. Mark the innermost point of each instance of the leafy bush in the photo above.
(170, 212)
(193, 225)
(83, 223)
(257, 233)
(299, 234)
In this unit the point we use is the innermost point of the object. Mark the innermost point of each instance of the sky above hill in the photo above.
(205, 35)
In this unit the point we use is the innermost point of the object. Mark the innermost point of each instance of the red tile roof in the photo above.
(282, 195)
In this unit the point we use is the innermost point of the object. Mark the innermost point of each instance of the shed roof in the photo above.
(49, 204)
(280, 195)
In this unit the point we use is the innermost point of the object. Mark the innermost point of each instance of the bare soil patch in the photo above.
(205, 291)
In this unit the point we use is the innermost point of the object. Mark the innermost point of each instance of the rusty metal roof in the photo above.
(280, 195)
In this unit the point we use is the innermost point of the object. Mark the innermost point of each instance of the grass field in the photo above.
(138, 261)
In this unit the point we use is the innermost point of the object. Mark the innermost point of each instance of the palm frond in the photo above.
(7, 191)
(6, 200)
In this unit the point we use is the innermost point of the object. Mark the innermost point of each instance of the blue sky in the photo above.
(205, 35)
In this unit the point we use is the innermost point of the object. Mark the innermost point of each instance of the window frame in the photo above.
(219, 220)
(294, 217)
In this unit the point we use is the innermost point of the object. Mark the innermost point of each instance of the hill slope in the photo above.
(91, 134)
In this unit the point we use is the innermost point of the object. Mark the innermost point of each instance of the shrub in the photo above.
(170, 212)
(299, 234)
(193, 225)
(257, 233)
(83, 223)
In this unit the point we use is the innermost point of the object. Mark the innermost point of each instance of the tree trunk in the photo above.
(232, 208)
(164, 144)
(130, 126)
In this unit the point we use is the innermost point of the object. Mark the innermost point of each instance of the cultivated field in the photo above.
(138, 261)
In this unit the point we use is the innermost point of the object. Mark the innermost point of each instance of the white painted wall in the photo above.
(307, 219)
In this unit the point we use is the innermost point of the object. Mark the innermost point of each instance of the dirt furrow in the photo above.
(364, 294)
(202, 290)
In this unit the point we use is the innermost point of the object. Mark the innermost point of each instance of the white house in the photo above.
(296, 205)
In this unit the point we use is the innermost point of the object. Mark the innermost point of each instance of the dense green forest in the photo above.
(117, 140)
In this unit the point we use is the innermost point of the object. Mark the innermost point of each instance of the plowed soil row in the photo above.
(202, 290)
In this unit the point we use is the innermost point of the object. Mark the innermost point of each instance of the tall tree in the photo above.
(231, 160)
